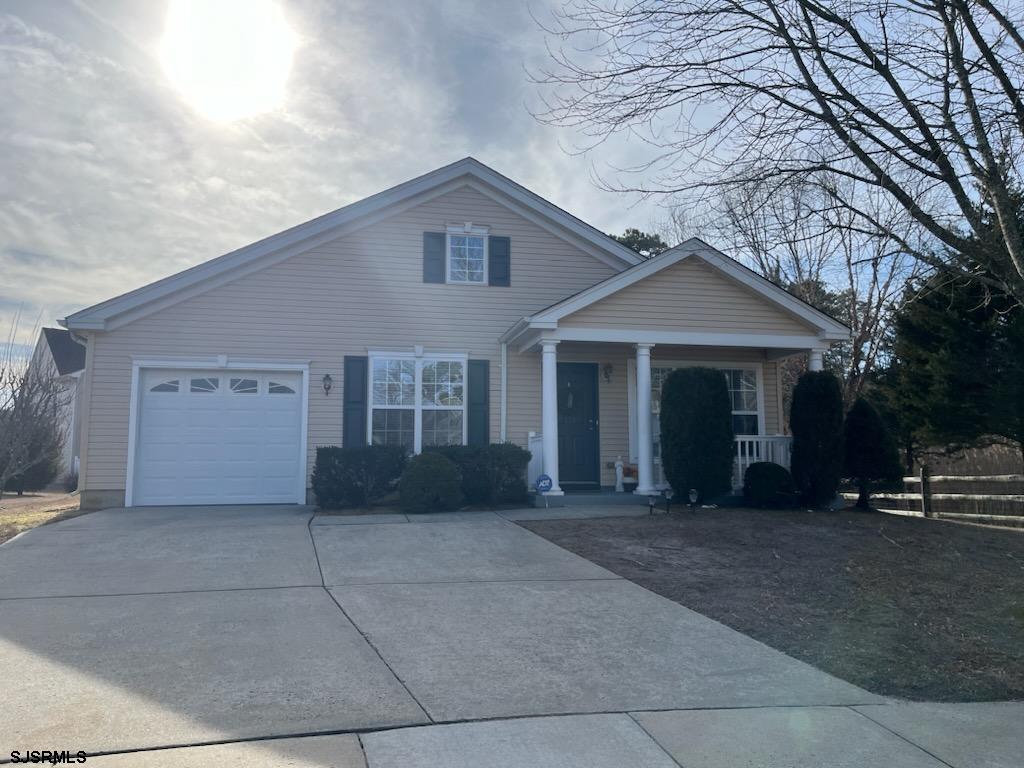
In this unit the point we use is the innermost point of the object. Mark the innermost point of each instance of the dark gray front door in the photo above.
(578, 455)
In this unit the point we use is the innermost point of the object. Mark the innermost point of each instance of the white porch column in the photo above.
(549, 412)
(645, 445)
(817, 360)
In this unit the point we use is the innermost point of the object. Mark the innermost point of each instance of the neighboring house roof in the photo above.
(828, 327)
(68, 355)
(277, 247)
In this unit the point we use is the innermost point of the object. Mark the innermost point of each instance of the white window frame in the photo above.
(466, 230)
(421, 358)
(755, 365)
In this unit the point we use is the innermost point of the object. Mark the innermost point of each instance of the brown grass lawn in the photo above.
(19, 513)
(908, 607)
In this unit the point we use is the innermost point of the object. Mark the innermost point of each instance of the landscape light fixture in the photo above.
(693, 498)
(669, 493)
(651, 500)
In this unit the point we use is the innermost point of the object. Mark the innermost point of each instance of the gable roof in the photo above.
(277, 247)
(68, 355)
(828, 327)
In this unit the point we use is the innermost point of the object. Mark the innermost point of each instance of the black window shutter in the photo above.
(499, 266)
(479, 402)
(354, 402)
(433, 257)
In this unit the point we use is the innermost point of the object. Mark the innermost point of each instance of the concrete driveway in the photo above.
(265, 636)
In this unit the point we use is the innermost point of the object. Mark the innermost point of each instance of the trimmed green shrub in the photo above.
(766, 484)
(816, 421)
(870, 451)
(356, 477)
(430, 483)
(491, 474)
(696, 432)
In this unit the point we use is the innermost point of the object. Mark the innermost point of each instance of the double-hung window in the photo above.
(467, 254)
(417, 401)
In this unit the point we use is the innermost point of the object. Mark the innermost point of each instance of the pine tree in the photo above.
(869, 450)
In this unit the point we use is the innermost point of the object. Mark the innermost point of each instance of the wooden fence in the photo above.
(989, 499)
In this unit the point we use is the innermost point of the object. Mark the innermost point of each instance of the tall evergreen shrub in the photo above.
(870, 451)
(816, 421)
(696, 432)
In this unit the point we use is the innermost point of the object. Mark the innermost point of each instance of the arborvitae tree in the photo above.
(816, 421)
(696, 432)
(869, 450)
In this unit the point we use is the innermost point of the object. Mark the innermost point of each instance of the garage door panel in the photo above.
(227, 446)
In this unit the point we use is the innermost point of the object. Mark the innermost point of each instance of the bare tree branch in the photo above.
(918, 99)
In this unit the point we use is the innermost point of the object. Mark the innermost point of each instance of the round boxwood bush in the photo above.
(430, 483)
(766, 484)
(696, 432)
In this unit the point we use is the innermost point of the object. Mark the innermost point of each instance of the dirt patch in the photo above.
(914, 608)
(19, 513)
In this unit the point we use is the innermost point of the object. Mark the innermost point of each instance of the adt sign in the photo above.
(543, 484)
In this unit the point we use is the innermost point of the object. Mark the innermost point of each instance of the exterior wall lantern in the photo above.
(607, 372)
(327, 382)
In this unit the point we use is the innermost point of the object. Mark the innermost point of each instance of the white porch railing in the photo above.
(749, 449)
(753, 448)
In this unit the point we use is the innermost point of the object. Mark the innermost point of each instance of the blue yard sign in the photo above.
(543, 484)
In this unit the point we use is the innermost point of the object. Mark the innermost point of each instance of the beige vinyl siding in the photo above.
(361, 292)
(688, 296)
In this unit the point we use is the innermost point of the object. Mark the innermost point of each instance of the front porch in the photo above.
(598, 434)
(605, 352)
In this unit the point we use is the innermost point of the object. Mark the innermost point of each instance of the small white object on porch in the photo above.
(816, 362)
(645, 444)
(549, 412)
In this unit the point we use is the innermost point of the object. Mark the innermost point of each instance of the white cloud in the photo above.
(109, 180)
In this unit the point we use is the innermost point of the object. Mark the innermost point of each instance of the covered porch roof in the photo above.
(690, 295)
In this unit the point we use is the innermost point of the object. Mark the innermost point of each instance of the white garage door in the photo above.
(219, 437)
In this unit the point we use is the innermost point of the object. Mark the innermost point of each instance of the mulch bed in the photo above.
(918, 609)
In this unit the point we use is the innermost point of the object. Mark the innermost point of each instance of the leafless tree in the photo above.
(918, 99)
(32, 400)
(796, 236)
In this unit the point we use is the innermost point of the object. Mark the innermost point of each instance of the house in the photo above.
(456, 307)
(58, 354)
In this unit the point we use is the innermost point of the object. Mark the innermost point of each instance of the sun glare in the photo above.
(229, 59)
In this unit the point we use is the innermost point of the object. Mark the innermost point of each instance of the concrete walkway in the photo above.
(268, 636)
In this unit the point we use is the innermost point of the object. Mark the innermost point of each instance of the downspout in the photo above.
(503, 407)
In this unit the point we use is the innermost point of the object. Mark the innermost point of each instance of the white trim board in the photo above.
(529, 339)
(220, 362)
(307, 235)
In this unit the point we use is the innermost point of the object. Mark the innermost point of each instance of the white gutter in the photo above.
(503, 408)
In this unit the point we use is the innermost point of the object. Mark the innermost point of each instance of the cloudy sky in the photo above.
(117, 166)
